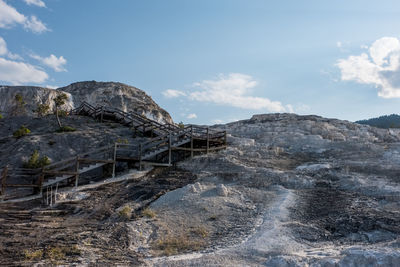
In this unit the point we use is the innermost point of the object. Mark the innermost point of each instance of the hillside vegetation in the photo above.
(386, 121)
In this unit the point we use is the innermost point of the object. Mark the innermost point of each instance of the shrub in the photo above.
(1, 116)
(35, 161)
(181, 125)
(149, 213)
(122, 141)
(63, 129)
(22, 131)
(42, 109)
(126, 212)
(62, 113)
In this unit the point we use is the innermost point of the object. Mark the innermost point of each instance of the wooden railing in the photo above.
(169, 137)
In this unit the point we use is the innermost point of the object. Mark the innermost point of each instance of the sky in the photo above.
(214, 61)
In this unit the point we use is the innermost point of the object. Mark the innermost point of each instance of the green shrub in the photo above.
(22, 131)
(1, 116)
(62, 113)
(35, 161)
(42, 109)
(63, 129)
(122, 141)
(181, 125)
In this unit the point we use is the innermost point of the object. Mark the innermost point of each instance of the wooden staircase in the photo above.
(170, 143)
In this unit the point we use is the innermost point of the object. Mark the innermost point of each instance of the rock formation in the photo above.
(117, 95)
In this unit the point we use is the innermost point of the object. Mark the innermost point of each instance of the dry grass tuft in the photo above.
(149, 213)
(126, 212)
(171, 245)
(34, 255)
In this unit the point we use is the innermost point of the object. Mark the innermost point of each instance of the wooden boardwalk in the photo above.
(168, 144)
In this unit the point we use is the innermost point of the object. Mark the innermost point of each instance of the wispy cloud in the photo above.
(56, 63)
(35, 25)
(380, 67)
(171, 93)
(9, 17)
(233, 90)
(38, 3)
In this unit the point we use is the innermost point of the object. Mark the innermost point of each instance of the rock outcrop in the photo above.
(31, 96)
(117, 95)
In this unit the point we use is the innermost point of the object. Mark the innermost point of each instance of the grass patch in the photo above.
(33, 255)
(200, 231)
(126, 212)
(64, 129)
(173, 245)
(149, 213)
(60, 253)
(22, 131)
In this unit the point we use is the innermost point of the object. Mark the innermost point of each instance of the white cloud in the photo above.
(171, 93)
(380, 67)
(20, 72)
(35, 25)
(3, 47)
(191, 116)
(56, 63)
(233, 90)
(38, 3)
(339, 44)
(9, 17)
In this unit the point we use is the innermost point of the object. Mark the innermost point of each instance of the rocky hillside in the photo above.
(118, 95)
(288, 191)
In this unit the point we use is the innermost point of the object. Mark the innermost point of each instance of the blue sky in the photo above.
(214, 61)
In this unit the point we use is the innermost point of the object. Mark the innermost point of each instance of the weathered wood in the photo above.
(21, 185)
(60, 172)
(3, 180)
(77, 171)
(88, 160)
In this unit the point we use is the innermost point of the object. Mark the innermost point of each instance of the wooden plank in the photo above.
(60, 172)
(22, 185)
(156, 164)
(87, 160)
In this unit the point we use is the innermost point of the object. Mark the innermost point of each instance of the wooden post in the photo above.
(140, 157)
(77, 171)
(191, 141)
(55, 194)
(169, 149)
(115, 159)
(225, 138)
(208, 140)
(41, 180)
(3, 180)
